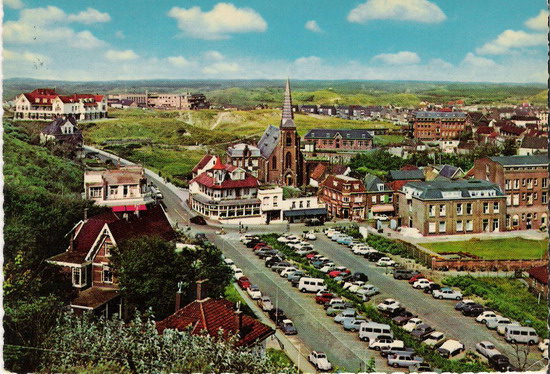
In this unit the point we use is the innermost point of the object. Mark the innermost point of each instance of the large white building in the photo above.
(45, 104)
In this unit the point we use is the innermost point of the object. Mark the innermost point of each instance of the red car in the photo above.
(335, 273)
(310, 255)
(323, 298)
(244, 283)
(415, 278)
(261, 246)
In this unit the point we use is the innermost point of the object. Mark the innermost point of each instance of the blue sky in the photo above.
(468, 40)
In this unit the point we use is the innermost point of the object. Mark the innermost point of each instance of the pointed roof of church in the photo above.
(287, 119)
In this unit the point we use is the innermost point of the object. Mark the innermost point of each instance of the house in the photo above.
(327, 110)
(524, 181)
(311, 109)
(379, 197)
(225, 192)
(439, 125)
(219, 316)
(452, 207)
(511, 130)
(338, 140)
(296, 209)
(345, 197)
(524, 120)
(244, 156)
(447, 171)
(44, 104)
(206, 163)
(177, 101)
(538, 280)
(124, 186)
(398, 178)
(87, 259)
(63, 130)
(531, 145)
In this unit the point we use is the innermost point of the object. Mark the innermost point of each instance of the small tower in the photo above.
(218, 171)
(289, 141)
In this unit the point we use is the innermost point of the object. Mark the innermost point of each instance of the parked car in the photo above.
(287, 327)
(320, 361)
(415, 278)
(501, 363)
(400, 360)
(331, 302)
(353, 324)
(385, 352)
(447, 293)
(238, 273)
(309, 236)
(492, 324)
(254, 292)
(403, 317)
(296, 275)
(353, 286)
(323, 297)
(335, 309)
(374, 256)
(451, 348)
(265, 303)
(422, 283)
(280, 266)
(385, 261)
(486, 316)
(434, 339)
(462, 304)
(287, 271)
(388, 303)
(347, 313)
(329, 266)
(198, 220)
(367, 290)
(263, 253)
(502, 328)
(473, 310)
(229, 262)
(385, 341)
(520, 334)
(244, 283)
(402, 273)
(276, 315)
(421, 331)
(412, 324)
(432, 287)
(358, 276)
(422, 367)
(487, 349)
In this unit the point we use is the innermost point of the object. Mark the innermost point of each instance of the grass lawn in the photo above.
(279, 357)
(494, 249)
(232, 295)
(388, 139)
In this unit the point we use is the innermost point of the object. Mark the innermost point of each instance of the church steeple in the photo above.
(287, 119)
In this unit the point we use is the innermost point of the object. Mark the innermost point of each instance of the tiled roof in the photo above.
(124, 175)
(94, 297)
(318, 172)
(338, 169)
(540, 273)
(356, 134)
(534, 143)
(337, 182)
(406, 175)
(206, 180)
(511, 129)
(202, 163)
(521, 160)
(212, 315)
(269, 141)
(484, 130)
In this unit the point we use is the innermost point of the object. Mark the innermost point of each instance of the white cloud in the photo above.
(14, 4)
(89, 16)
(313, 26)
(399, 58)
(307, 60)
(120, 35)
(422, 11)
(221, 68)
(540, 22)
(213, 55)
(178, 61)
(473, 60)
(223, 20)
(24, 56)
(511, 39)
(126, 55)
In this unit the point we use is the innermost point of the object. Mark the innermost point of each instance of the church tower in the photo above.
(290, 155)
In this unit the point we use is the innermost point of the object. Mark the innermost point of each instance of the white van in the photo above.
(520, 334)
(311, 284)
(371, 330)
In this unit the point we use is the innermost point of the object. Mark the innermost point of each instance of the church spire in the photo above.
(288, 116)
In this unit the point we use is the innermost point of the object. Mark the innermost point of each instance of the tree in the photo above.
(82, 342)
(377, 160)
(509, 148)
(149, 269)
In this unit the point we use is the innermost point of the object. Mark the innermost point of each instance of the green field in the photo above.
(494, 249)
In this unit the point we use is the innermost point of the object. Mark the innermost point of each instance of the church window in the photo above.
(288, 140)
(288, 162)
(274, 162)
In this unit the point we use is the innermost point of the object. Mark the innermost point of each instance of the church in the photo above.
(281, 161)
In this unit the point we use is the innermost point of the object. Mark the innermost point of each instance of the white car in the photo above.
(501, 328)
(412, 324)
(368, 290)
(493, 324)
(319, 360)
(486, 316)
(435, 338)
(288, 270)
(254, 292)
(385, 342)
(331, 233)
(237, 273)
(265, 303)
(543, 345)
(229, 262)
(360, 250)
(310, 236)
(328, 267)
(422, 283)
(487, 349)
(286, 238)
(353, 286)
(388, 303)
(447, 293)
(385, 261)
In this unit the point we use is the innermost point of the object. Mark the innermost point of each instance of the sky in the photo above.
(436, 40)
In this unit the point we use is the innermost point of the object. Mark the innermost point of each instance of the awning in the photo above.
(305, 212)
(382, 208)
(129, 208)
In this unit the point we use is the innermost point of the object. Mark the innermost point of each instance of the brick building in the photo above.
(339, 139)
(452, 207)
(524, 180)
(379, 197)
(439, 125)
(345, 197)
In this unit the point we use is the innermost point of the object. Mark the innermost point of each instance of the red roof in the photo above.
(212, 315)
(540, 273)
(514, 130)
(218, 165)
(484, 130)
(336, 183)
(318, 172)
(50, 94)
(208, 181)
(202, 163)
(409, 167)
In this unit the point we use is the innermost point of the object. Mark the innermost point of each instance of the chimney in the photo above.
(201, 290)
(239, 320)
(85, 214)
(178, 296)
(71, 243)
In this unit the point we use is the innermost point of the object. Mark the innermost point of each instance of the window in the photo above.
(459, 210)
(469, 209)
(544, 182)
(274, 162)
(79, 277)
(288, 161)
(431, 227)
(113, 190)
(529, 182)
(544, 197)
(275, 200)
(442, 226)
(523, 196)
(523, 217)
(125, 191)
(442, 210)
(495, 224)
(496, 207)
(529, 199)
(485, 208)
(107, 274)
(485, 224)
(459, 226)
(523, 182)
(301, 204)
(107, 248)
(373, 199)
(516, 184)
(507, 184)
(308, 203)
(293, 205)
(431, 211)
(515, 199)
(469, 225)
(95, 191)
